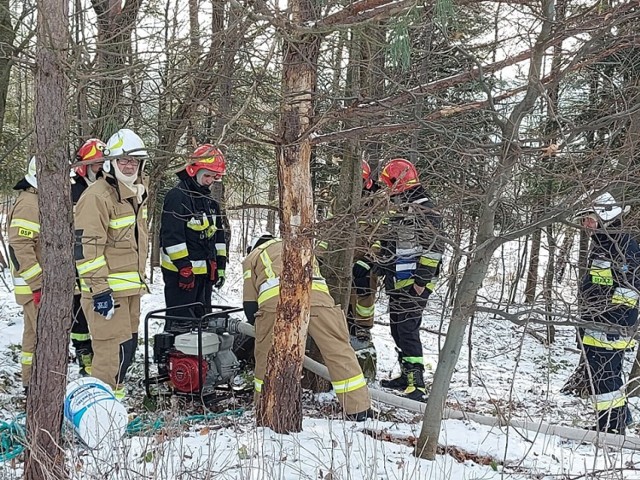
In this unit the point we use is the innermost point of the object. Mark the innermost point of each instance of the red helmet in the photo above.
(366, 175)
(92, 149)
(399, 175)
(207, 157)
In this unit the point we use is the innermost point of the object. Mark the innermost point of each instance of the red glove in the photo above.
(186, 280)
(213, 269)
(37, 296)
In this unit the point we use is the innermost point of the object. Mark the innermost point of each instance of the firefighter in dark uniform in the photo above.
(192, 238)
(609, 297)
(92, 150)
(327, 326)
(410, 258)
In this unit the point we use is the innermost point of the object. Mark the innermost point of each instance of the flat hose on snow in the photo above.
(575, 434)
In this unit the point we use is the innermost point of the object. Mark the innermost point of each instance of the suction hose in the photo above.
(575, 434)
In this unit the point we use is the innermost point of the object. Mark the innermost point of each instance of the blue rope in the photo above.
(12, 438)
(143, 424)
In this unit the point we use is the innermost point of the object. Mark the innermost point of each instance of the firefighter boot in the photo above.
(365, 352)
(398, 383)
(84, 362)
(416, 389)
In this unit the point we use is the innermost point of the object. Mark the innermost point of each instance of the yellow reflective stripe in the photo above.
(195, 225)
(376, 244)
(26, 358)
(363, 264)
(266, 261)
(257, 384)
(178, 251)
(274, 291)
(404, 283)
(268, 294)
(31, 272)
(605, 401)
(121, 281)
(90, 265)
(221, 249)
(145, 213)
(22, 290)
(122, 222)
(120, 393)
(21, 222)
(621, 296)
(323, 245)
(81, 337)
(350, 384)
(365, 311)
(83, 286)
(246, 274)
(199, 267)
(601, 276)
(429, 262)
(620, 344)
(221, 272)
(165, 262)
(414, 360)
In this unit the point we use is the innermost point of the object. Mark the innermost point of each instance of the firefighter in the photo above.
(410, 258)
(24, 257)
(193, 247)
(364, 284)
(111, 255)
(609, 297)
(92, 150)
(327, 326)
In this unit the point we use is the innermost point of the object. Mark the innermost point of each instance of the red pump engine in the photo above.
(183, 372)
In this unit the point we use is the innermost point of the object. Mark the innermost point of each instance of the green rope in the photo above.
(143, 424)
(12, 438)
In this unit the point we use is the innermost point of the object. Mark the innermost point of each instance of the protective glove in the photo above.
(103, 304)
(221, 279)
(37, 296)
(186, 279)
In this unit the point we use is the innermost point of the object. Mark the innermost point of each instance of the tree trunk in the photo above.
(464, 304)
(280, 407)
(45, 457)
(7, 36)
(115, 24)
(534, 262)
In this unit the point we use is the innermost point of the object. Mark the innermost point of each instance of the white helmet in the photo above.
(604, 207)
(124, 143)
(31, 173)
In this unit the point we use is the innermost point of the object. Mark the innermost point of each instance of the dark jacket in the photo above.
(192, 231)
(609, 288)
(412, 248)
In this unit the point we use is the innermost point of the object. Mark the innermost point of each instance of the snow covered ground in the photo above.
(508, 372)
